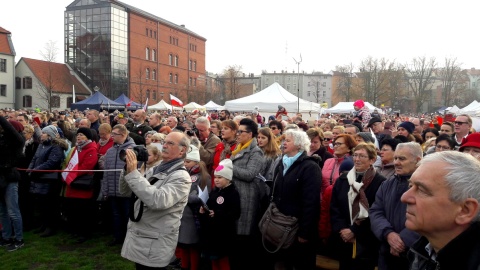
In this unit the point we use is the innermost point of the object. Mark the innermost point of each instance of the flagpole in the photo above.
(73, 94)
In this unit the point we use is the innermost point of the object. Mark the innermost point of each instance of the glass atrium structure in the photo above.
(96, 45)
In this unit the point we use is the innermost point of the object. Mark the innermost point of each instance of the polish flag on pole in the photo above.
(146, 105)
(175, 101)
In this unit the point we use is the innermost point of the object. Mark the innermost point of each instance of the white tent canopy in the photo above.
(471, 108)
(268, 100)
(453, 109)
(347, 107)
(163, 106)
(192, 106)
(212, 106)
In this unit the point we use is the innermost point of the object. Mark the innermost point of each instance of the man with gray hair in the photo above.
(387, 214)
(207, 139)
(443, 207)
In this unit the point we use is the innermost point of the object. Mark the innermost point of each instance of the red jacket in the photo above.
(324, 225)
(103, 149)
(87, 159)
(216, 158)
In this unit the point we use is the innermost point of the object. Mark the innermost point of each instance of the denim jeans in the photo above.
(10, 213)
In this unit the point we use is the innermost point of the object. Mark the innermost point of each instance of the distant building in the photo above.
(122, 49)
(7, 70)
(46, 85)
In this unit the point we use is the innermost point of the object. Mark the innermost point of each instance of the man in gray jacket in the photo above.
(154, 224)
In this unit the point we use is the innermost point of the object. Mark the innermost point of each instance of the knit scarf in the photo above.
(240, 147)
(165, 166)
(357, 200)
(288, 161)
(103, 142)
(227, 150)
(82, 144)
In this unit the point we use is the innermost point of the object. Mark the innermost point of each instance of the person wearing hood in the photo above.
(281, 112)
(388, 213)
(11, 145)
(362, 114)
(119, 203)
(80, 204)
(46, 185)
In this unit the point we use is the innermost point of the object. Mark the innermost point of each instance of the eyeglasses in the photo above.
(327, 139)
(445, 130)
(359, 156)
(338, 144)
(116, 134)
(460, 123)
(442, 147)
(241, 131)
(273, 128)
(385, 149)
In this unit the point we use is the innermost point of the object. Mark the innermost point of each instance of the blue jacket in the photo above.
(387, 215)
(112, 161)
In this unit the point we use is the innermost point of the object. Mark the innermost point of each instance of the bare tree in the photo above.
(49, 81)
(315, 83)
(230, 75)
(420, 79)
(373, 81)
(344, 87)
(451, 76)
(396, 82)
(139, 85)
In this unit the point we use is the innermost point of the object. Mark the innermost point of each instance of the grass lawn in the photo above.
(60, 252)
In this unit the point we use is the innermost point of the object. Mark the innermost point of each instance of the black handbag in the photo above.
(83, 182)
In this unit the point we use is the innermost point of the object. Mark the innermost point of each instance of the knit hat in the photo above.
(409, 126)
(271, 117)
(85, 131)
(225, 169)
(346, 165)
(193, 154)
(367, 137)
(359, 103)
(16, 125)
(51, 131)
(472, 140)
(373, 120)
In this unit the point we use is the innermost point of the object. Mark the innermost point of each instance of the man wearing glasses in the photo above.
(158, 205)
(463, 124)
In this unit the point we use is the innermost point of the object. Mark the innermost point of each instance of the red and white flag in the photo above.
(175, 101)
(68, 177)
(145, 107)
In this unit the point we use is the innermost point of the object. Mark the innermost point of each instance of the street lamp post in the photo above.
(298, 82)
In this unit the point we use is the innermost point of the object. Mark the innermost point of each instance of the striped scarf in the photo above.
(358, 202)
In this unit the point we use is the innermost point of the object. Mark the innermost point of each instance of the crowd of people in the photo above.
(189, 189)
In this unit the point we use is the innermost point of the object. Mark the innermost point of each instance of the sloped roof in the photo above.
(6, 46)
(61, 81)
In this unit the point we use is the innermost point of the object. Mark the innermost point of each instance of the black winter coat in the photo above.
(297, 193)
(11, 147)
(218, 232)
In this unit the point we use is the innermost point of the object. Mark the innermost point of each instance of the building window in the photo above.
(324, 84)
(154, 94)
(151, 33)
(146, 32)
(154, 74)
(189, 64)
(176, 78)
(170, 59)
(154, 34)
(27, 101)
(55, 102)
(195, 82)
(190, 81)
(148, 93)
(308, 93)
(154, 55)
(18, 83)
(3, 90)
(324, 93)
(194, 65)
(308, 84)
(147, 74)
(69, 101)
(147, 53)
(27, 83)
(170, 77)
(176, 60)
(3, 65)
(288, 87)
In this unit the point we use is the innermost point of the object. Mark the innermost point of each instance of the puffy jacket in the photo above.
(112, 161)
(330, 172)
(87, 159)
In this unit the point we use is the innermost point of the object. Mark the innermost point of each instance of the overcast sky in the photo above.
(267, 34)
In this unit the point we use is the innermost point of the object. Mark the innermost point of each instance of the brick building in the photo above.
(122, 49)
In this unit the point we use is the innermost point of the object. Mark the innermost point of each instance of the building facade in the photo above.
(122, 49)
(7, 70)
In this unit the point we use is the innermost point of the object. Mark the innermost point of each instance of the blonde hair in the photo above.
(157, 137)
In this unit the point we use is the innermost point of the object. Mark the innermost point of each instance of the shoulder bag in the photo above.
(83, 182)
(277, 229)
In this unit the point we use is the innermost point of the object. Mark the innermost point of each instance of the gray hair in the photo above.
(414, 148)
(463, 183)
(184, 142)
(203, 120)
(300, 139)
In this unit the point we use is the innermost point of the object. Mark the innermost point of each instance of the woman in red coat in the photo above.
(80, 204)
(227, 145)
